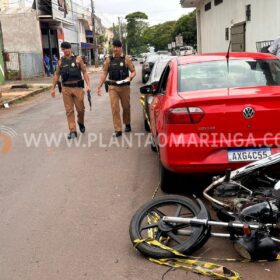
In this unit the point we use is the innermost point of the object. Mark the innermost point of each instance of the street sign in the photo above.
(179, 41)
(169, 46)
(173, 44)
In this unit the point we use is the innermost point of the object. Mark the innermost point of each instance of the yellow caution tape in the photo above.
(193, 264)
(205, 269)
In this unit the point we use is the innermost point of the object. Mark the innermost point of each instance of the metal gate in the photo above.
(20, 66)
(13, 66)
(238, 37)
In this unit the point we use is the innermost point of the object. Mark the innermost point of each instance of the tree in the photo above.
(101, 41)
(135, 26)
(159, 35)
(186, 26)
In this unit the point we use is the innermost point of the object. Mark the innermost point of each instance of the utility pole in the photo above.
(94, 34)
(120, 28)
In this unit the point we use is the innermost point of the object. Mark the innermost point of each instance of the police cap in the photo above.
(65, 45)
(117, 43)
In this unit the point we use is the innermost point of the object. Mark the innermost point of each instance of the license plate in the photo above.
(248, 154)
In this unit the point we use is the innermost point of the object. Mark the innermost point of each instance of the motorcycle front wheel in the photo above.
(147, 224)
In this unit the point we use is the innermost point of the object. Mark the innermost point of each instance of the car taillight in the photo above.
(186, 115)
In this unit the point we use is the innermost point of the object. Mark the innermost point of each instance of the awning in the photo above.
(87, 45)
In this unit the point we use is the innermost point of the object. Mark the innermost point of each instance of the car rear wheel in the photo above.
(146, 125)
(154, 147)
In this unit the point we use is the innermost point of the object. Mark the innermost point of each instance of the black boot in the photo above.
(127, 128)
(82, 127)
(72, 135)
(117, 134)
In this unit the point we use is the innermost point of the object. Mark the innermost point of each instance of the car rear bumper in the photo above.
(181, 158)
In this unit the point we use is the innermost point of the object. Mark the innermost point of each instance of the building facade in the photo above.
(32, 29)
(246, 23)
(22, 42)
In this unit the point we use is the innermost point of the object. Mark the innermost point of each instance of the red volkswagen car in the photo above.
(215, 111)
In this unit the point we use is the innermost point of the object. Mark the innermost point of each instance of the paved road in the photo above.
(65, 211)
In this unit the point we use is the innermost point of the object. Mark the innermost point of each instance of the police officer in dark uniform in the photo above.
(118, 67)
(71, 67)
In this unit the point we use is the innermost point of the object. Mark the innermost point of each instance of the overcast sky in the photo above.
(158, 11)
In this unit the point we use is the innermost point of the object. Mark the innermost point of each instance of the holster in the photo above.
(106, 86)
(59, 86)
(81, 83)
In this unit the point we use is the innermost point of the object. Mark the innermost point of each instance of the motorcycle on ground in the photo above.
(247, 206)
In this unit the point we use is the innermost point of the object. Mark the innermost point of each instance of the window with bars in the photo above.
(248, 12)
(207, 7)
(217, 2)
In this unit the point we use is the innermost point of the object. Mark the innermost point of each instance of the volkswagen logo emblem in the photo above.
(248, 112)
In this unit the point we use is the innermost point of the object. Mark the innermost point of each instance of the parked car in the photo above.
(164, 53)
(157, 70)
(134, 58)
(143, 56)
(148, 66)
(149, 63)
(187, 50)
(214, 112)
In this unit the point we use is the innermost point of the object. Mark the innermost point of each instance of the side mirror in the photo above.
(150, 89)
(146, 89)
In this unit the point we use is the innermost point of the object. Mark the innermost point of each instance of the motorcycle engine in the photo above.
(232, 194)
(263, 212)
(248, 191)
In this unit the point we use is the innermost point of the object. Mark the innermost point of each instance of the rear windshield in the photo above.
(159, 69)
(235, 73)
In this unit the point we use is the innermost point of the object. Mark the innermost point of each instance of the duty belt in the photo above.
(110, 83)
(70, 85)
(77, 84)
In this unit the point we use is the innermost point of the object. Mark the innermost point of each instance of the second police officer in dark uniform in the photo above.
(118, 67)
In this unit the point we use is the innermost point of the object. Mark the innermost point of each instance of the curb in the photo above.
(22, 97)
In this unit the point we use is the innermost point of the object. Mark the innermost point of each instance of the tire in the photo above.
(146, 125)
(154, 147)
(168, 205)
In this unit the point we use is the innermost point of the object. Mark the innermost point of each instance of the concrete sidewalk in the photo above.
(13, 91)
